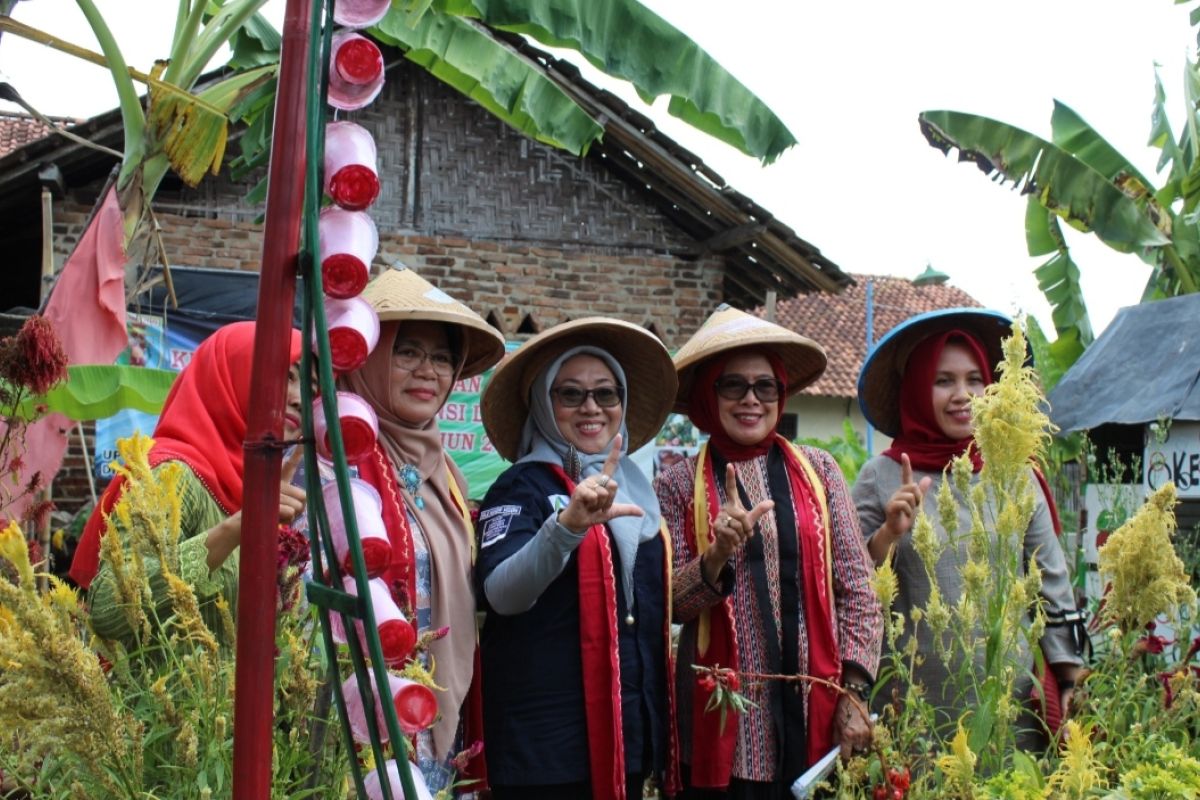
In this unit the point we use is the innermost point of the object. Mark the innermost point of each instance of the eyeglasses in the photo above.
(605, 396)
(410, 358)
(733, 387)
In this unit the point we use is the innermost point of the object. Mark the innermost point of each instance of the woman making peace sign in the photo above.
(574, 567)
(770, 571)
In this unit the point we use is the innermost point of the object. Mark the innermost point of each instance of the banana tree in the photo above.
(622, 38)
(1081, 179)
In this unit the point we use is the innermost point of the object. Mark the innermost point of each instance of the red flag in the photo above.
(88, 304)
(87, 310)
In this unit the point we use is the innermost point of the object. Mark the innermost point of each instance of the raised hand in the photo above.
(901, 508)
(733, 527)
(291, 498)
(593, 501)
(227, 535)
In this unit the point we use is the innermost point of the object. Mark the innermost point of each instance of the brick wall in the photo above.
(516, 284)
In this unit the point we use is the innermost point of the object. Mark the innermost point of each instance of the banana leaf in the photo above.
(464, 56)
(625, 39)
(1075, 136)
(1062, 183)
(194, 129)
(256, 44)
(1059, 281)
(96, 391)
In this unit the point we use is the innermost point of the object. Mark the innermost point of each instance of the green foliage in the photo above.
(1081, 178)
(151, 716)
(847, 450)
(95, 391)
(626, 40)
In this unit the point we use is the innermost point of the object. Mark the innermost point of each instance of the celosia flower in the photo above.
(14, 550)
(1079, 771)
(959, 764)
(1147, 577)
(1010, 426)
(925, 541)
(885, 584)
(947, 508)
(34, 357)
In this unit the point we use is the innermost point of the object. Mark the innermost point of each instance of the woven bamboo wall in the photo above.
(471, 175)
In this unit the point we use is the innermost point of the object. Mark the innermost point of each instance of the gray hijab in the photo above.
(542, 441)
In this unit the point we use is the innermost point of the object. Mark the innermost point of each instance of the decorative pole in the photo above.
(255, 681)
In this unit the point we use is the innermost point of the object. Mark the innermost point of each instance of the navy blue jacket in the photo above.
(535, 731)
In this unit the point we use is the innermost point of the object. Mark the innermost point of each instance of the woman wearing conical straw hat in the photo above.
(916, 385)
(771, 576)
(427, 341)
(574, 568)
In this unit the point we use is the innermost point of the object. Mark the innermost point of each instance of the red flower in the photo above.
(1195, 648)
(1168, 695)
(39, 514)
(1153, 644)
(731, 681)
(15, 465)
(34, 358)
(708, 683)
(293, 549)
(899, 778)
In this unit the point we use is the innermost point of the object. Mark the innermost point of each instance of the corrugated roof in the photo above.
(838, 322)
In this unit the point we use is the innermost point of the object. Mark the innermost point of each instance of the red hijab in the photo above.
(921, 437)
(704, 414)
(202, 424)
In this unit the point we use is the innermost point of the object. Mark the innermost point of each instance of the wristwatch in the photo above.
(860, 688)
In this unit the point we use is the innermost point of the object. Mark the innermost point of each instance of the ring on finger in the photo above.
(602, 481)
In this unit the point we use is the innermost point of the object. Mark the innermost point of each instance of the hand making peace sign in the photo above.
(592, 502)
(733, 527)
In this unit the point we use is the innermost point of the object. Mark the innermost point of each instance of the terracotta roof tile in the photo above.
(838, 322)
(18, 130)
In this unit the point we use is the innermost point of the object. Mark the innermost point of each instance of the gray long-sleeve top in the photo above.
(879, 479)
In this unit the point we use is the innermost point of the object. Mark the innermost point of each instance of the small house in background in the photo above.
(529, 236)
(846, 325)
(1135, 391)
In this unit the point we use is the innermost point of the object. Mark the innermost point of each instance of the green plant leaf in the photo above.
(256, 44)
(1062, 183)
(629, 41)
(95, 391)
(489, 72)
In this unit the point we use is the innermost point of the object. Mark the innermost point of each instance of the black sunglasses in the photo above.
(574, 396)
(733, 387)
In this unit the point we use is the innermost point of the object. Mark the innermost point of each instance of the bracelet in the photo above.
(860, 688)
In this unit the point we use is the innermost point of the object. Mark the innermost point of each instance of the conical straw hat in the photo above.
(883, 368)
(728, 329)
(648, 372)
(403, 295)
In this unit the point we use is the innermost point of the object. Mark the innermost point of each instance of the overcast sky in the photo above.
(849, 80)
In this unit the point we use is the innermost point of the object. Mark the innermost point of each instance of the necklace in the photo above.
(411, 478)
